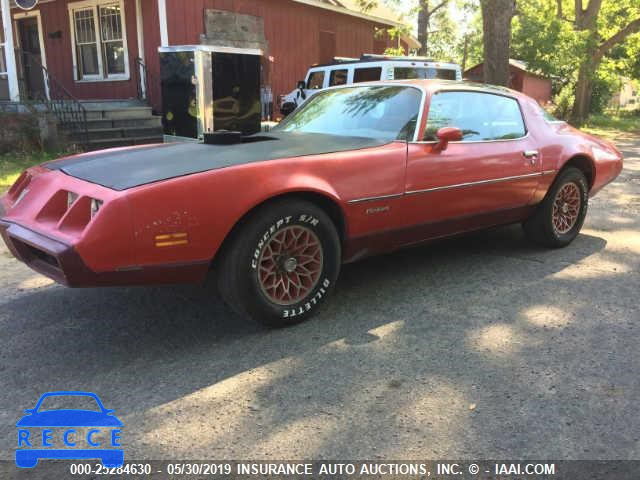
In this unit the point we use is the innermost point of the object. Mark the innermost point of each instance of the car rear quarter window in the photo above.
(338, 77)
(316, 79)
(367, 74)
(481, 116)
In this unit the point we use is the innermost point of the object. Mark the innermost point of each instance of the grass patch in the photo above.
(611, 125)
(13, 164)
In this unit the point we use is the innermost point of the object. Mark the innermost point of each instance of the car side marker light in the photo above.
(172, 239)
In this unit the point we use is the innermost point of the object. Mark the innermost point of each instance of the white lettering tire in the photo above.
(280, 264)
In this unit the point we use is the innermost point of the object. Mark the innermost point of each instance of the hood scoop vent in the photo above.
(222, 137)
(226, 137)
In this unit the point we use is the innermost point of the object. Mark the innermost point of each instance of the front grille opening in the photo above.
(44, 256)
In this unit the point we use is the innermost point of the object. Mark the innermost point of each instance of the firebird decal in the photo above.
(371, 211)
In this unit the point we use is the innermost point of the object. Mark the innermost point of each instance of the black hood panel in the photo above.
(128, 168)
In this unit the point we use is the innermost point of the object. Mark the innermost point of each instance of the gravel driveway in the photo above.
(479, 347)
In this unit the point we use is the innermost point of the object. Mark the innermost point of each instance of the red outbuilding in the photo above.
(521, 79)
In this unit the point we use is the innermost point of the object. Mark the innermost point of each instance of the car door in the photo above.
(487, 177)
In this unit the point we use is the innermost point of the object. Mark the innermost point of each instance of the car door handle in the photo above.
(532, 155)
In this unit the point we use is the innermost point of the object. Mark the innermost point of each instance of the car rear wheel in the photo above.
(281, 264)
(559, 218)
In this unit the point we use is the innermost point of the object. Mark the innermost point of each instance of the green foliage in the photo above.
(545, 43)
(563, 102)
(13, 164)
(554, 47)
(448, 28)
(613, 126)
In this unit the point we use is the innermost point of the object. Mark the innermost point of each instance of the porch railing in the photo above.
(70, 113)
(145, 81)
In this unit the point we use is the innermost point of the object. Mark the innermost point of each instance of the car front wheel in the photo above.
(281, 264)
(559, 217)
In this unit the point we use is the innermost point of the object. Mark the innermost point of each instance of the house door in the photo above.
(32, 74)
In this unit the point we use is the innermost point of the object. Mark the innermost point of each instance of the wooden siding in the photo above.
(292, 31)
(55, 17)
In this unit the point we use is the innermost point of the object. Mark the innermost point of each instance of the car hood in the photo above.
(69, 418)
(120, 169)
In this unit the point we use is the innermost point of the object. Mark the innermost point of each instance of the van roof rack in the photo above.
(371, 57)
(374, 56)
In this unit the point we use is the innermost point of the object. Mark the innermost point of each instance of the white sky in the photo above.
(405, 7)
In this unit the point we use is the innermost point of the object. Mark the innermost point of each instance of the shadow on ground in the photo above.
(483, 346)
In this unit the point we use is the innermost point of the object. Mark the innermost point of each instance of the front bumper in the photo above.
(62, 263)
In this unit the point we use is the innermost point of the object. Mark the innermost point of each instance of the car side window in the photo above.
(481, 116)
(338, 77)
(505, 118)
(367, 74)
(316, 80)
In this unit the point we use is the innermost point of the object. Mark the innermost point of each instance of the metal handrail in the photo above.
(71, 114)
(142, 80)
(150, 81)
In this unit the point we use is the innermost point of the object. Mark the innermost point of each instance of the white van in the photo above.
(367, 68)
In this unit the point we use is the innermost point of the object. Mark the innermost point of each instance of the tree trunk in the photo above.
(586, 20)
(582, 101)
(496, 23)
(425, 13)
(423, 28)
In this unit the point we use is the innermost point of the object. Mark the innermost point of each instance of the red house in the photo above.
(104, 49)
(521, 79)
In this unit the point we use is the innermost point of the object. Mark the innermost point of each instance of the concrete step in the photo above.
(111, 104)
(119, 113)
(151, 121)
(129, 132)
(122, 142)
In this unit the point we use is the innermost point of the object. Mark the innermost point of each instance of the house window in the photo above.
(100, 47)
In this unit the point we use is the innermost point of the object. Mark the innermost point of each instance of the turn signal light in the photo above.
(172, 239)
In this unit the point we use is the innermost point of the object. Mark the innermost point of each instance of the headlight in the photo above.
(71, 197)
(95, 206)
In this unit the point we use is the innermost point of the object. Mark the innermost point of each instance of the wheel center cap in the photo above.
(290, 264)
(565, 207)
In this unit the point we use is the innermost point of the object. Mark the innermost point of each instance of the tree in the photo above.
(425, 14)
(439, 34)
(624, 16)
(496, 24)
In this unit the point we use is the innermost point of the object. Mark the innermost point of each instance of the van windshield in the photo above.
(380, 111)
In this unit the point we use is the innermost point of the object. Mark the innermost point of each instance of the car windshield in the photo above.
(388, 112)
(66, 402)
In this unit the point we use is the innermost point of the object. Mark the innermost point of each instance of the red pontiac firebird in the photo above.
(358, 170)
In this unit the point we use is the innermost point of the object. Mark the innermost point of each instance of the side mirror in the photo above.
(446, 135)
(301, 84)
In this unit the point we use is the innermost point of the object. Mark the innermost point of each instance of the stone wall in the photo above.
(229, 29)
(27, 132)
